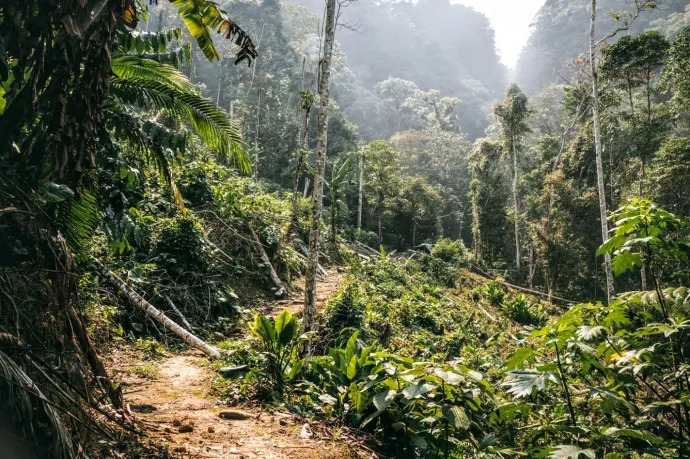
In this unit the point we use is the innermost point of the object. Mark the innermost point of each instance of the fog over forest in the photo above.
(344, 229)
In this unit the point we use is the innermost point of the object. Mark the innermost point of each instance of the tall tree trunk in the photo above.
(380, 215)
(334, 229)
(476, 230)
(517, 210)
(599, 152)
(303, 147)
(320, 170)
(220, 83)
(360, 192)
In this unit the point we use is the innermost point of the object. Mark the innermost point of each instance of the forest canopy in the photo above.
(339, 228)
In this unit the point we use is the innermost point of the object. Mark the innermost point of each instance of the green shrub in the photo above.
(421, 409)
(495, 293)
(368, 238)
(523, 312)
(346, 310)
(182, 248)
(450, 251)
(441, 272)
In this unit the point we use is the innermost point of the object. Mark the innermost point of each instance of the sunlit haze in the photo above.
(511, 20)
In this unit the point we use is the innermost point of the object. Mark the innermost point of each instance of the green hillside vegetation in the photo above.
(425, 262)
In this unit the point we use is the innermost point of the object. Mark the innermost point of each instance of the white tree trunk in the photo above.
(154, 313)
(360, 193)
(517, 210)
(599, 152)
(317, 194)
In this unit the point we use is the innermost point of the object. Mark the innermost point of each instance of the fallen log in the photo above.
(272, 272)
(319, 269)
(154, 313)
(187, 325)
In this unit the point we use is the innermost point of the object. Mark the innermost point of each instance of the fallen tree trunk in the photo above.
(522, 289)
(154, 313)
(187, 325)
(272, 272)
(319, 269)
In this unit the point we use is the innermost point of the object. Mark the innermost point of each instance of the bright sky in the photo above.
(511, 20)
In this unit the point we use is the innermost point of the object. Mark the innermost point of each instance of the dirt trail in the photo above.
(174, 399)
(295, 303)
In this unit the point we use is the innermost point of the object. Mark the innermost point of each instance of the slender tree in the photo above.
(317, 195)
(360, 191)
(640, 5)
(512, 116)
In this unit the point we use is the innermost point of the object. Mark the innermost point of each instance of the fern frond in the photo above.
(174, 57)
(79, 219)
(145, 42)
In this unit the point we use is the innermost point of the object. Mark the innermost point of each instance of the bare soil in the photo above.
(169, 399)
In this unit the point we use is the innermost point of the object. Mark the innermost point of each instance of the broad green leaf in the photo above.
(586, 333)
(457, 417)
(350, 348)
(488, 441)
(328, 399)
(519, 357)
(352, 368)
(263, 328)
(417, 389)
(523, 382)
(571, 452)
(54, 193)
(383, 400)
(625, 261)
(632, 433)
(286, 327)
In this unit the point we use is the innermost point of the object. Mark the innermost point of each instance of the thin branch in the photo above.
(640, 6)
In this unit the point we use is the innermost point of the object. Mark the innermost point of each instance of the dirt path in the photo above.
(295, 303)
(170, 399)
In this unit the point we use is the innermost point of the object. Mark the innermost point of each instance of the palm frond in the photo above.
(129, 67)
(79, 218)
(145, 42)
(19, 393)
(211, 123)
(152, 141)
(174, 57)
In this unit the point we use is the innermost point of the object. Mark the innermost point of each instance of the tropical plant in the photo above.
(278, 341)
(520, 310)
(495, 293)
(450, 251)
(622, 362)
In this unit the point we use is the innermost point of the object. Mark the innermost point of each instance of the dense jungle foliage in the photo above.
(158, 178)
